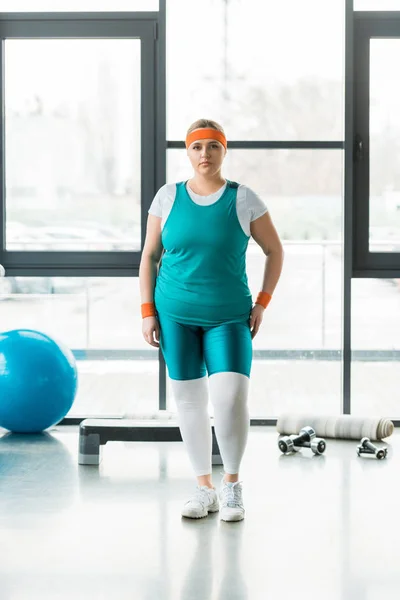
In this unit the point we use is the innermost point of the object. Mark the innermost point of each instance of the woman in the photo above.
(199, 308)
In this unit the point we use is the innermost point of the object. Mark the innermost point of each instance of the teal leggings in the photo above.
(192, 351)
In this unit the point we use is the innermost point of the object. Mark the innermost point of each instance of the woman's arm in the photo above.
(266, 236)
(151, 255)
(264, 233)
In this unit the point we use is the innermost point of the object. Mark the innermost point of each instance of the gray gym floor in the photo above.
(316, 526)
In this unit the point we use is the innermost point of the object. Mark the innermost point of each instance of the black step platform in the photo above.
(95, 433)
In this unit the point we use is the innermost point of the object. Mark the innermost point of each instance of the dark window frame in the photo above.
(367, 25)
(139, 25)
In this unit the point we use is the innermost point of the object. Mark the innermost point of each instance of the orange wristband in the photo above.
(264, 299)
(148, 310)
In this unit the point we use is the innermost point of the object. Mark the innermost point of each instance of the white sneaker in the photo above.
(203, 501)
(230, 496)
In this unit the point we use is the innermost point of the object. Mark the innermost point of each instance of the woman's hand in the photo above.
(256, 318)
(151, 331)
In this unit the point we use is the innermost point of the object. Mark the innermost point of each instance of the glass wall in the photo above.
(256, 69)
(384, 201)
(99, 320)
(84, 194)
(78, 5)
(375, 374)
(376, 4)
(72, 141)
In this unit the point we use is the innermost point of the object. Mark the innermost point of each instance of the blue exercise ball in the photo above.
(38, 381)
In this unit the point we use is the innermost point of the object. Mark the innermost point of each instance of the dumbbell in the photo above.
(367, 447)
(305, 439)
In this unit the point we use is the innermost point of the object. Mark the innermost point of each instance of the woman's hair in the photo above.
(201, 123)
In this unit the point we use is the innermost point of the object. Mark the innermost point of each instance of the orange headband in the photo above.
(204, 133)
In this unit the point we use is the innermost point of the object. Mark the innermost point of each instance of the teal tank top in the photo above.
(202, 279)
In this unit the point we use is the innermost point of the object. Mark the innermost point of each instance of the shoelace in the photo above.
(232, 495)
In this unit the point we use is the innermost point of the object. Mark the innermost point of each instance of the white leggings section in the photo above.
(228, 393)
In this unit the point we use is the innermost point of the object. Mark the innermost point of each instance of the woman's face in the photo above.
(206, 156)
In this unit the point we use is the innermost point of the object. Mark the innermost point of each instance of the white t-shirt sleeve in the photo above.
(156, 206)
(163, 201)
(249, 207)
(255, 205)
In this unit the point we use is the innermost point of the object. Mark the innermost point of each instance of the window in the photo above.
(376, 347)
(78, 5)
(384, 184)
(256, 69)
(376, 5)
(73, 176)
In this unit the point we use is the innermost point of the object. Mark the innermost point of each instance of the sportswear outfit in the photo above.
(203, 305)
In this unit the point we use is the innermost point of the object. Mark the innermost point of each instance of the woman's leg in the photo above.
(191, 398)
(228, 356)
(182, 348)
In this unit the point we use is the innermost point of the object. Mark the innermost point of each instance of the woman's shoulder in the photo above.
(164, 197)
(247, 193)
(253, 202)
(166, 194)
(245, 188)
(167, 190)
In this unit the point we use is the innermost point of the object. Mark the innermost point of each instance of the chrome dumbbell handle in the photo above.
(304, 439)
(306, 435)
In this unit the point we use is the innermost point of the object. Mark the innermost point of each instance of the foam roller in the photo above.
(344, 427)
